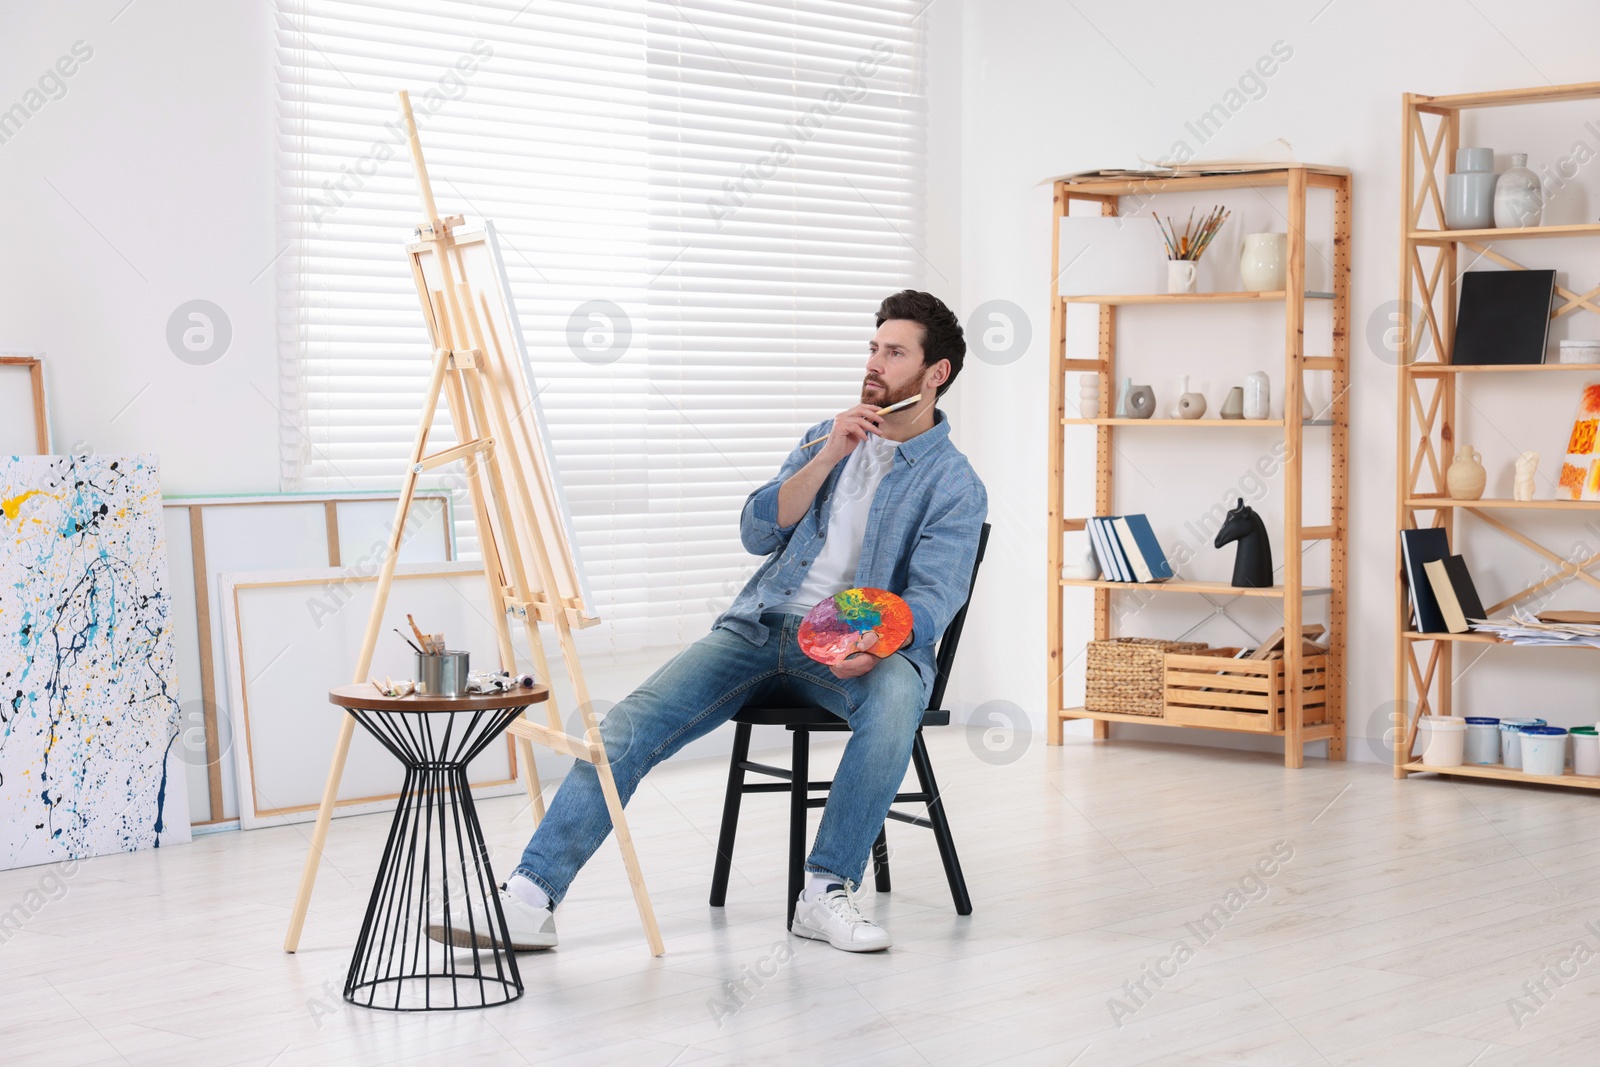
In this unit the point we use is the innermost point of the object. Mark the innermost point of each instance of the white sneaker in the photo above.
(834, 918)
(531, 928)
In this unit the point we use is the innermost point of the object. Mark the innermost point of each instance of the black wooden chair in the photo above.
(803, 722)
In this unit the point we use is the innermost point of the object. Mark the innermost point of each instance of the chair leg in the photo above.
(730, 815)
(880, 860)
(941, 827)
(800, 772)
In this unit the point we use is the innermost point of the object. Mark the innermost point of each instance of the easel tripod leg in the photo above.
(619, 826)
(319, 835)
(531, 780)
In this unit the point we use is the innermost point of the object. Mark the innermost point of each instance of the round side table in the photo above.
(435, 864)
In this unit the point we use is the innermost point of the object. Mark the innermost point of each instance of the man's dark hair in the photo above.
(941, 330)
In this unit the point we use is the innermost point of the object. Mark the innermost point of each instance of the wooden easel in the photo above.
(518, 527)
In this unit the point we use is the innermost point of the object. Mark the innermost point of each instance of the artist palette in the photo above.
(831, 630)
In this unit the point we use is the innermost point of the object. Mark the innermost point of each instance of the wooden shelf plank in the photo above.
(1275, 296)
(1424, 369)
(1508, 774)
(1187, 183)
(1317, 732)
(1474, 638)
(1443, 237)
(1432, 502)
(1544, 94)
(1178, 585)
(1209, 423)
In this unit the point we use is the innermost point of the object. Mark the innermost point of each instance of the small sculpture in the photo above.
(1190, 405)
(1252, 561)
(1140, 401)
(1522, 486)
(1466, 477)
(1088, 396)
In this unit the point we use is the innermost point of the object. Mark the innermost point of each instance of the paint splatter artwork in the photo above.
(1580, 470)
(833, 629)
(88, 712)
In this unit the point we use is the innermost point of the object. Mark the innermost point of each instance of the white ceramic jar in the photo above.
(1257, 395)
(1264, 262)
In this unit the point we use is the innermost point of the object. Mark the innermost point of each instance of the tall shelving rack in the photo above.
(1296, 180)
(1429, 397)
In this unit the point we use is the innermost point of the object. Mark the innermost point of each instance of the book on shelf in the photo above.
(1457, 596)
(1504, 317)
(1418, 548)
(1128, 550)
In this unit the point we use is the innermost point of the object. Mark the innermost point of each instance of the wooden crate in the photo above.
(1210, 689)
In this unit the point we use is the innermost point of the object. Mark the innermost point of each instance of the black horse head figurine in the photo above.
(1252, 563)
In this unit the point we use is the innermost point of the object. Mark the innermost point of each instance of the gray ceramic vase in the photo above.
(1469, 192)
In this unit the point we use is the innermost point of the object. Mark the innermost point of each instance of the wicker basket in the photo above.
(1124, 674)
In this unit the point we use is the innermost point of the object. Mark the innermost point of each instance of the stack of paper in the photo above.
(1526, 628)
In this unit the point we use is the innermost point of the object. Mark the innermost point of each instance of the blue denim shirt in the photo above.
(920, 543)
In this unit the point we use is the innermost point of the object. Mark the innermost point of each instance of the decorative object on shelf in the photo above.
(1181, 275)
(1466, 477)
(1518, 198)
(1252, 561)
(1191, 405)
(1233, 404)
(1088, 396)
(1264, 262)
(1578, 352)
(838, 626)
(1083, 566)
(1580, 470)
(1469, 192)
(1121, 411)
(1257, 395)
(1504, 317)
(1184, 250)
(1522, 484)
(1140, 401)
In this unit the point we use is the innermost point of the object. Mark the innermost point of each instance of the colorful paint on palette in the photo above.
(89, 714)
(833, 629)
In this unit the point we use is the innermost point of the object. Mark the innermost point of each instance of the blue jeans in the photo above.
(697, 691)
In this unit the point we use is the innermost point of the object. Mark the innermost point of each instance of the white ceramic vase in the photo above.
(1264, 263)
(1518, 199)
(1257, 395)
(1088, 396)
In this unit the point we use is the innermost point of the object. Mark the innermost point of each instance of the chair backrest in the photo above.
(946, 656)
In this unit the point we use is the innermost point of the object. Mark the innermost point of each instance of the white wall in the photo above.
(1049, 88)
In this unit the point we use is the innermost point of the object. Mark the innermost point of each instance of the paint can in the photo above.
(1510, 740)
(1544, 750)
(444, 674)
(1586, 751)
(1483, 739)
(1445, 741)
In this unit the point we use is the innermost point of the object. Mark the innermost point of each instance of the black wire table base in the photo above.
(435, 872)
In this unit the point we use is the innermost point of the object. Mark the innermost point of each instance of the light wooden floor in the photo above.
(1409, 917)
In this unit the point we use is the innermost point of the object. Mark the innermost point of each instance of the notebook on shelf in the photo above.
(1418, 548)
(1503, 317)
(1453, 589)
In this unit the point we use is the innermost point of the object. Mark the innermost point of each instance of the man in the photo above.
(902, 512)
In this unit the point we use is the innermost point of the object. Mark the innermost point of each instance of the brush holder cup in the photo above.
(444, 674)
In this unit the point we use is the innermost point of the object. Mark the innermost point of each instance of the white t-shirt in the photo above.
(834, 569)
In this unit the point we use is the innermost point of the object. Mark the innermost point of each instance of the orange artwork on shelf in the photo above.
(1580, 473)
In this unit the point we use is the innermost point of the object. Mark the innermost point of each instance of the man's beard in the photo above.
(883, 396)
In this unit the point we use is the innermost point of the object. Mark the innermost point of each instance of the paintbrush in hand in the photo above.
(907, 402)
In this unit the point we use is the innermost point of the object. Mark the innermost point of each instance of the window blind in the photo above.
(701, 204)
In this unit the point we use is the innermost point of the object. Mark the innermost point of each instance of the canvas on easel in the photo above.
(528, 556)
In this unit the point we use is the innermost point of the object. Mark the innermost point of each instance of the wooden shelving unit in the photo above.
(1429, 400)
(1296, 180)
